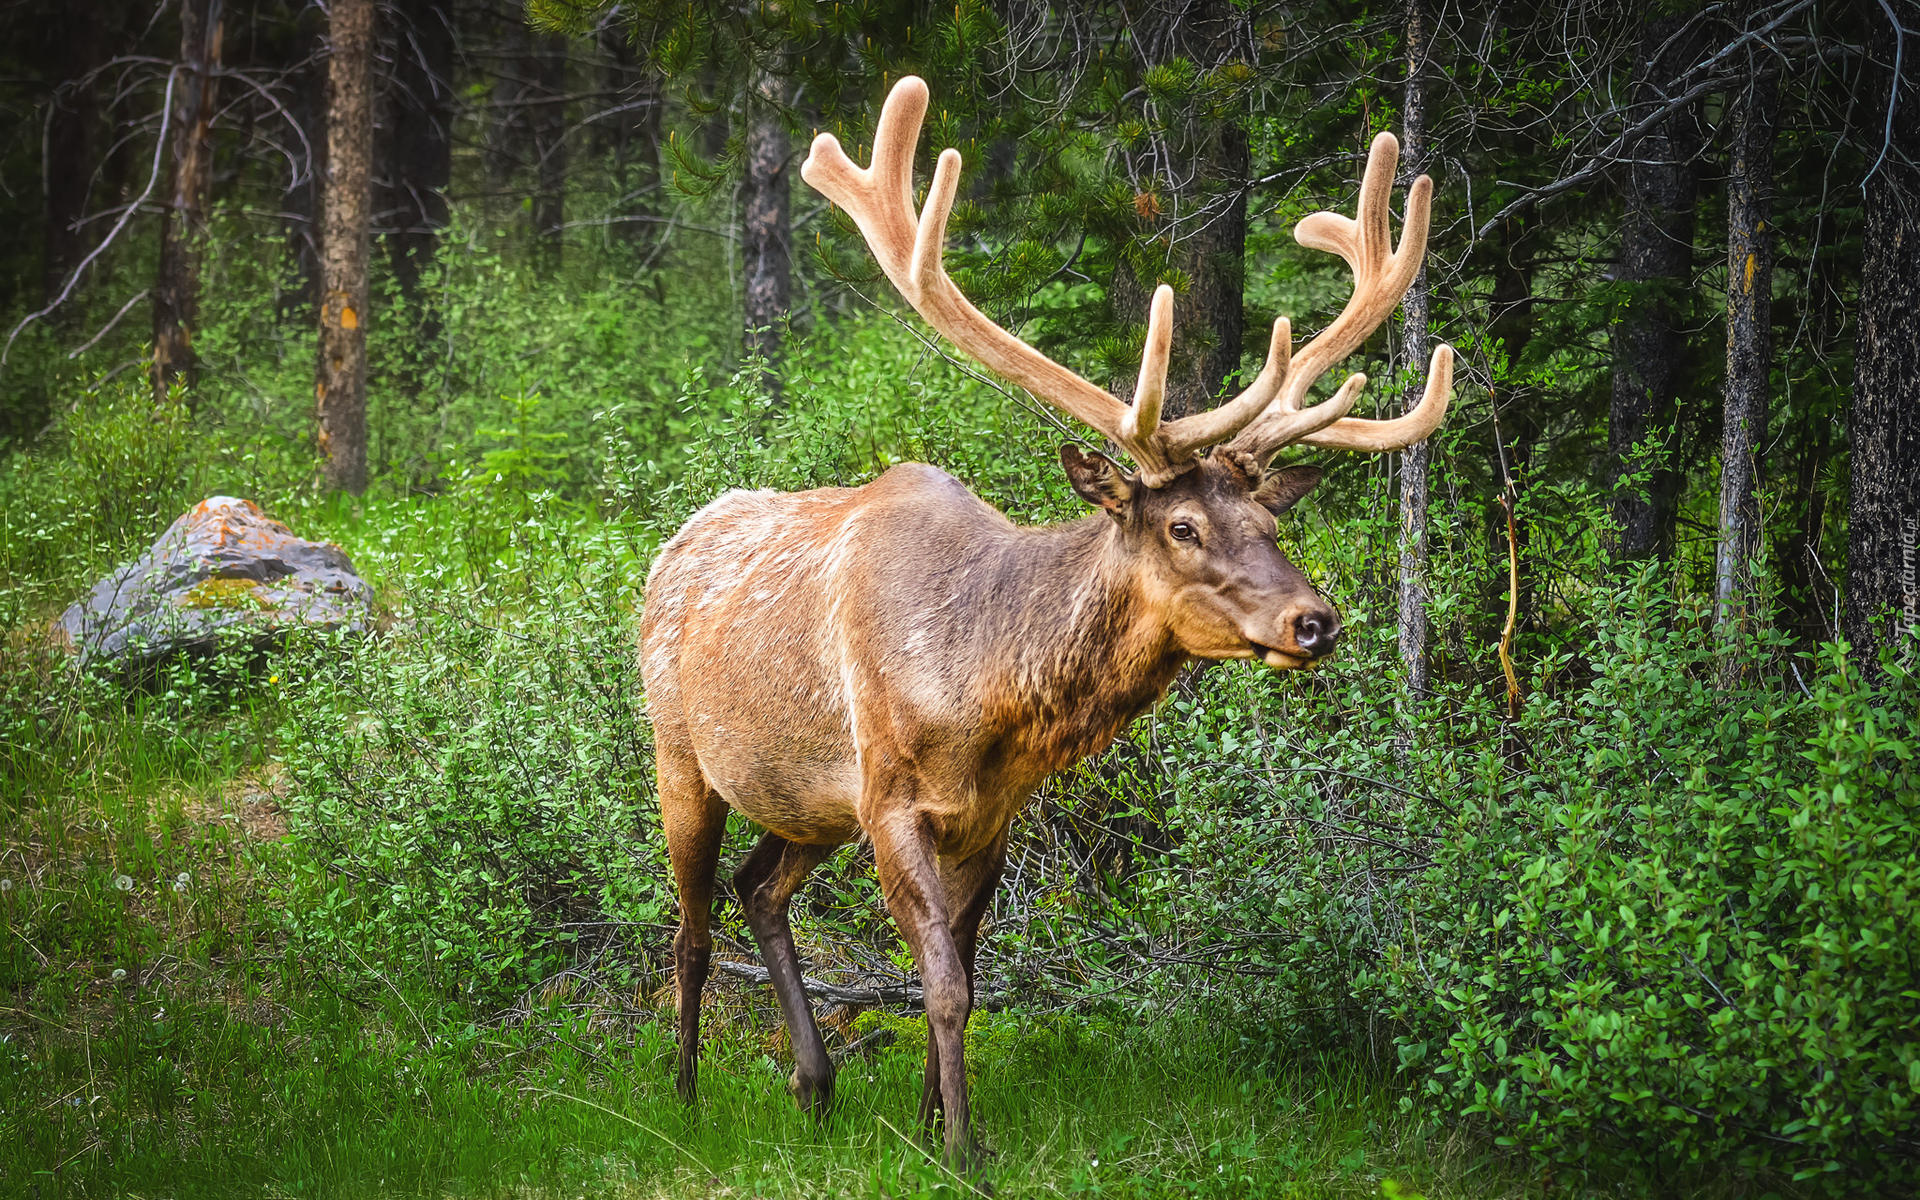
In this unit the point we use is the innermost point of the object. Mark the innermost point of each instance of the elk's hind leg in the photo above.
(695, 820)
(765, 883)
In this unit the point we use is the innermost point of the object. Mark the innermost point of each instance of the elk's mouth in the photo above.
(1279, 660)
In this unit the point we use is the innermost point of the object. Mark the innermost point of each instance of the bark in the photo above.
(345, 246)
(549, 128)
(416, 140)
(1415, 346)
(1749, 347)
(1656, 266)
(73, 128)
(176, 290)
(1884, 422)
(766, 223)
(1197, 202)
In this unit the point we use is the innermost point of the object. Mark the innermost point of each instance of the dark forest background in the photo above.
(1596, 846)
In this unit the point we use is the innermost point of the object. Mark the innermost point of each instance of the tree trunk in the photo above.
(766, 223)
(1749, 346)
(1656, 267)
(1415, 337)
(1883, 602)
(345, 246)
(549, 129)
(176, 290)
(417, 141)
(1511, 327)
(1201, 219)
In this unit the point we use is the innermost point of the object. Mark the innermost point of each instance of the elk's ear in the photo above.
(1281, 490)
(1097, 478)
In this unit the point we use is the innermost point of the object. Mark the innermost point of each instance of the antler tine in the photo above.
(895, 136)
(1381, 276)
(1268, 415)
(879, 198)
(1352, 433)
(1141, 423)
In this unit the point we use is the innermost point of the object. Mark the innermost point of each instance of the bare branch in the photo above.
(153, 178)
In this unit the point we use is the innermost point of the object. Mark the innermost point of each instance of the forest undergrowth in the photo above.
(389, 916)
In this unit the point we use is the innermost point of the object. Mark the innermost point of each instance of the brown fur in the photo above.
(900, 662)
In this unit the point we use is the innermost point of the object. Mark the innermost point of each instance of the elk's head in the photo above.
(1200, 512)
(1203, 552)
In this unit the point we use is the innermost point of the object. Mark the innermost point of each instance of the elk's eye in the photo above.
(1183, 532)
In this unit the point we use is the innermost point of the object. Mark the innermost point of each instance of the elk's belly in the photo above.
(788, 770)
(767, 722)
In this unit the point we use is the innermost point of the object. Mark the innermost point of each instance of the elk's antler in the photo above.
(1381, 276)
(1266, 416)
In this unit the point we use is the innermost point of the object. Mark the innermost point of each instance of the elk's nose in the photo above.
(1316, 633)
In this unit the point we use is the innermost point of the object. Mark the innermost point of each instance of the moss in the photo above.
(226, 593)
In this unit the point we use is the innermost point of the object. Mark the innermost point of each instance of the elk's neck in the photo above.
(1084, 653)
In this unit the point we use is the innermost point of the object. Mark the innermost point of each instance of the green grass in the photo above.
(143, 841)
(327, 1099)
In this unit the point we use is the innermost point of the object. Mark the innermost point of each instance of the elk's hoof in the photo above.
(813, 1093)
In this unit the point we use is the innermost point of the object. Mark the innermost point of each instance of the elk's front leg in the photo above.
(910, 878)
(765, 883)
(969, 886)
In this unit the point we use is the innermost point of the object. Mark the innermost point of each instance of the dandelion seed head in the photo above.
(119, 973)
(6, 885)
(123, 882)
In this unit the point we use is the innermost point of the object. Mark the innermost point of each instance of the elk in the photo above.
(900, 663)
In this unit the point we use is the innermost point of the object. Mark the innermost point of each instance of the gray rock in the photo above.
(223, 574)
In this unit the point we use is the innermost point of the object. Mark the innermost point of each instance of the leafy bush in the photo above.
(1651, 925)
(1691, 930)
(472, 791)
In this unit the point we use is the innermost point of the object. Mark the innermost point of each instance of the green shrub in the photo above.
(1652, 927)
(1686, 925)
(472, 790)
